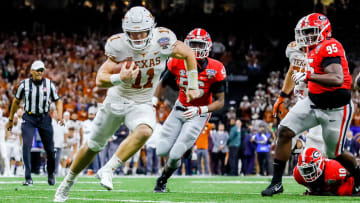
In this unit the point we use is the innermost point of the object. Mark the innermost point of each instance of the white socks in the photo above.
(113, 163)
(71, 176)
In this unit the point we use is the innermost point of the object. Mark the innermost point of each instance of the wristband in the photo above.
(193, 79)
(115, 79)
(283, 94)
(154, 100)
(203, 109)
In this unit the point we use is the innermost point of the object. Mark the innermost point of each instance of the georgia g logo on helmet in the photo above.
(312, 29)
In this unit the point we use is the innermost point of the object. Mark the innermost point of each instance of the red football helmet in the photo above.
(200, 42)
(311, 164)
(312, 29)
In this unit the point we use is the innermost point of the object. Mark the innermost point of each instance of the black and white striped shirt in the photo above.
(37, 95)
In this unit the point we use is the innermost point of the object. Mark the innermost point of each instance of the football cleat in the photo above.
(273, 189)
(62, 193)
(28, 182)
(160, 186)
(105, 176)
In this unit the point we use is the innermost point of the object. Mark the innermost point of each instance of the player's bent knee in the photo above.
(95, 146)
(162, 149)
(144, 131)
(285, 133)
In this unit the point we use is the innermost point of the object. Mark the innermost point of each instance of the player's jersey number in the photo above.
(331, 49)
(342, 172)
(148, 84)
(183, 84)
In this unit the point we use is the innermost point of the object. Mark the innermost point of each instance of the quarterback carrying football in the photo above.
(129, 95)
(187, 119)
(330, 79)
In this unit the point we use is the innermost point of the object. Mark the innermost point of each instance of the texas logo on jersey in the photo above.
(214, 72)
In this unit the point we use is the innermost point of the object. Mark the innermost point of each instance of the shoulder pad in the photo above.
(165, 39)
(292, 50)
(116, 48)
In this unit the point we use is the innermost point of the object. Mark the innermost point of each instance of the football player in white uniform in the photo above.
(129, 95)
(298, 63)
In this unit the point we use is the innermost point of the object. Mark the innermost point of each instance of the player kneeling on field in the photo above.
(323, 176)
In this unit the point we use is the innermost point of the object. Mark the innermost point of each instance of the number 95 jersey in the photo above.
(151, 61)
(212, 72)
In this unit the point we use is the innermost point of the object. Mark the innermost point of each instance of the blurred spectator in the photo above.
(152, 160)
(218, 48)
(245, 109)
(202, 151)
(234, 142)
(249, 154)
(59, 136)
(263, 140)
(220, 149)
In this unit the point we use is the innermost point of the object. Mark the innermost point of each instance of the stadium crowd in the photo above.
(243, 131)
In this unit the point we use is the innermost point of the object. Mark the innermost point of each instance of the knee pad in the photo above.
(177, 151)
(162, 148)
(94, 146)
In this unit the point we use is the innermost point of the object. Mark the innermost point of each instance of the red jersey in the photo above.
(329, 48)
(333, 180)
(214, 72)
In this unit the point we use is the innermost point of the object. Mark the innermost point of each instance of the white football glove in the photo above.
(298, 77)
(193, 111)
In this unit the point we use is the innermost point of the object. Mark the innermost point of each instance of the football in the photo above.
(118, 66)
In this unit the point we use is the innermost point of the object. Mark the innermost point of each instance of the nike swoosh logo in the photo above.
(332, 120)
(277, 188)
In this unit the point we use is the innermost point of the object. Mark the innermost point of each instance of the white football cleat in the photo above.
(105, 176)
(62, 193)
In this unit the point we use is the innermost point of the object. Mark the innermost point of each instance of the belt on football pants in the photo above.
(180, 108)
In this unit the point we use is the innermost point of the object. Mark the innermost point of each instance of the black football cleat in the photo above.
(160, 186)
(273, 189)
(51, 179)
(28, 182)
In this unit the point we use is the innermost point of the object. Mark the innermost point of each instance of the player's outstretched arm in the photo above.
(218, 103)
(287, 87)
(182, 51)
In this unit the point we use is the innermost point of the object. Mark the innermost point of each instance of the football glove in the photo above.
(301, 77)
(278, 106)
(193, 111)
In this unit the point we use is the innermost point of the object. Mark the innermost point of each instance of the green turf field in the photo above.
(181, 189)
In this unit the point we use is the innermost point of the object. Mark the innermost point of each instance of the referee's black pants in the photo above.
(43, 124)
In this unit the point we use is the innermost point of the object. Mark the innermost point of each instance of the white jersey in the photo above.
(14, 138)
(87, 127)
(151, 61)
(298, 60)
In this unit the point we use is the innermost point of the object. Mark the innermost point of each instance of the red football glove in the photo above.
(278, 108)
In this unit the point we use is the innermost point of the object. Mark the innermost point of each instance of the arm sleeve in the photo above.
(330, 60)
(20, 91)
(218, 87)
(53, 92)
(168, 79)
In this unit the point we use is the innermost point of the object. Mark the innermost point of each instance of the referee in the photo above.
(37, 93)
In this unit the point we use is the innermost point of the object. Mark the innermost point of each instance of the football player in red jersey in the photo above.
(323, 176)
(328, 104)
(187, 119)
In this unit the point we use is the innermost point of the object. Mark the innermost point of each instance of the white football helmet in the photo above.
(138, 19)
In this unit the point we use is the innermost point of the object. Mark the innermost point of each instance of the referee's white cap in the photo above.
(36, 65)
